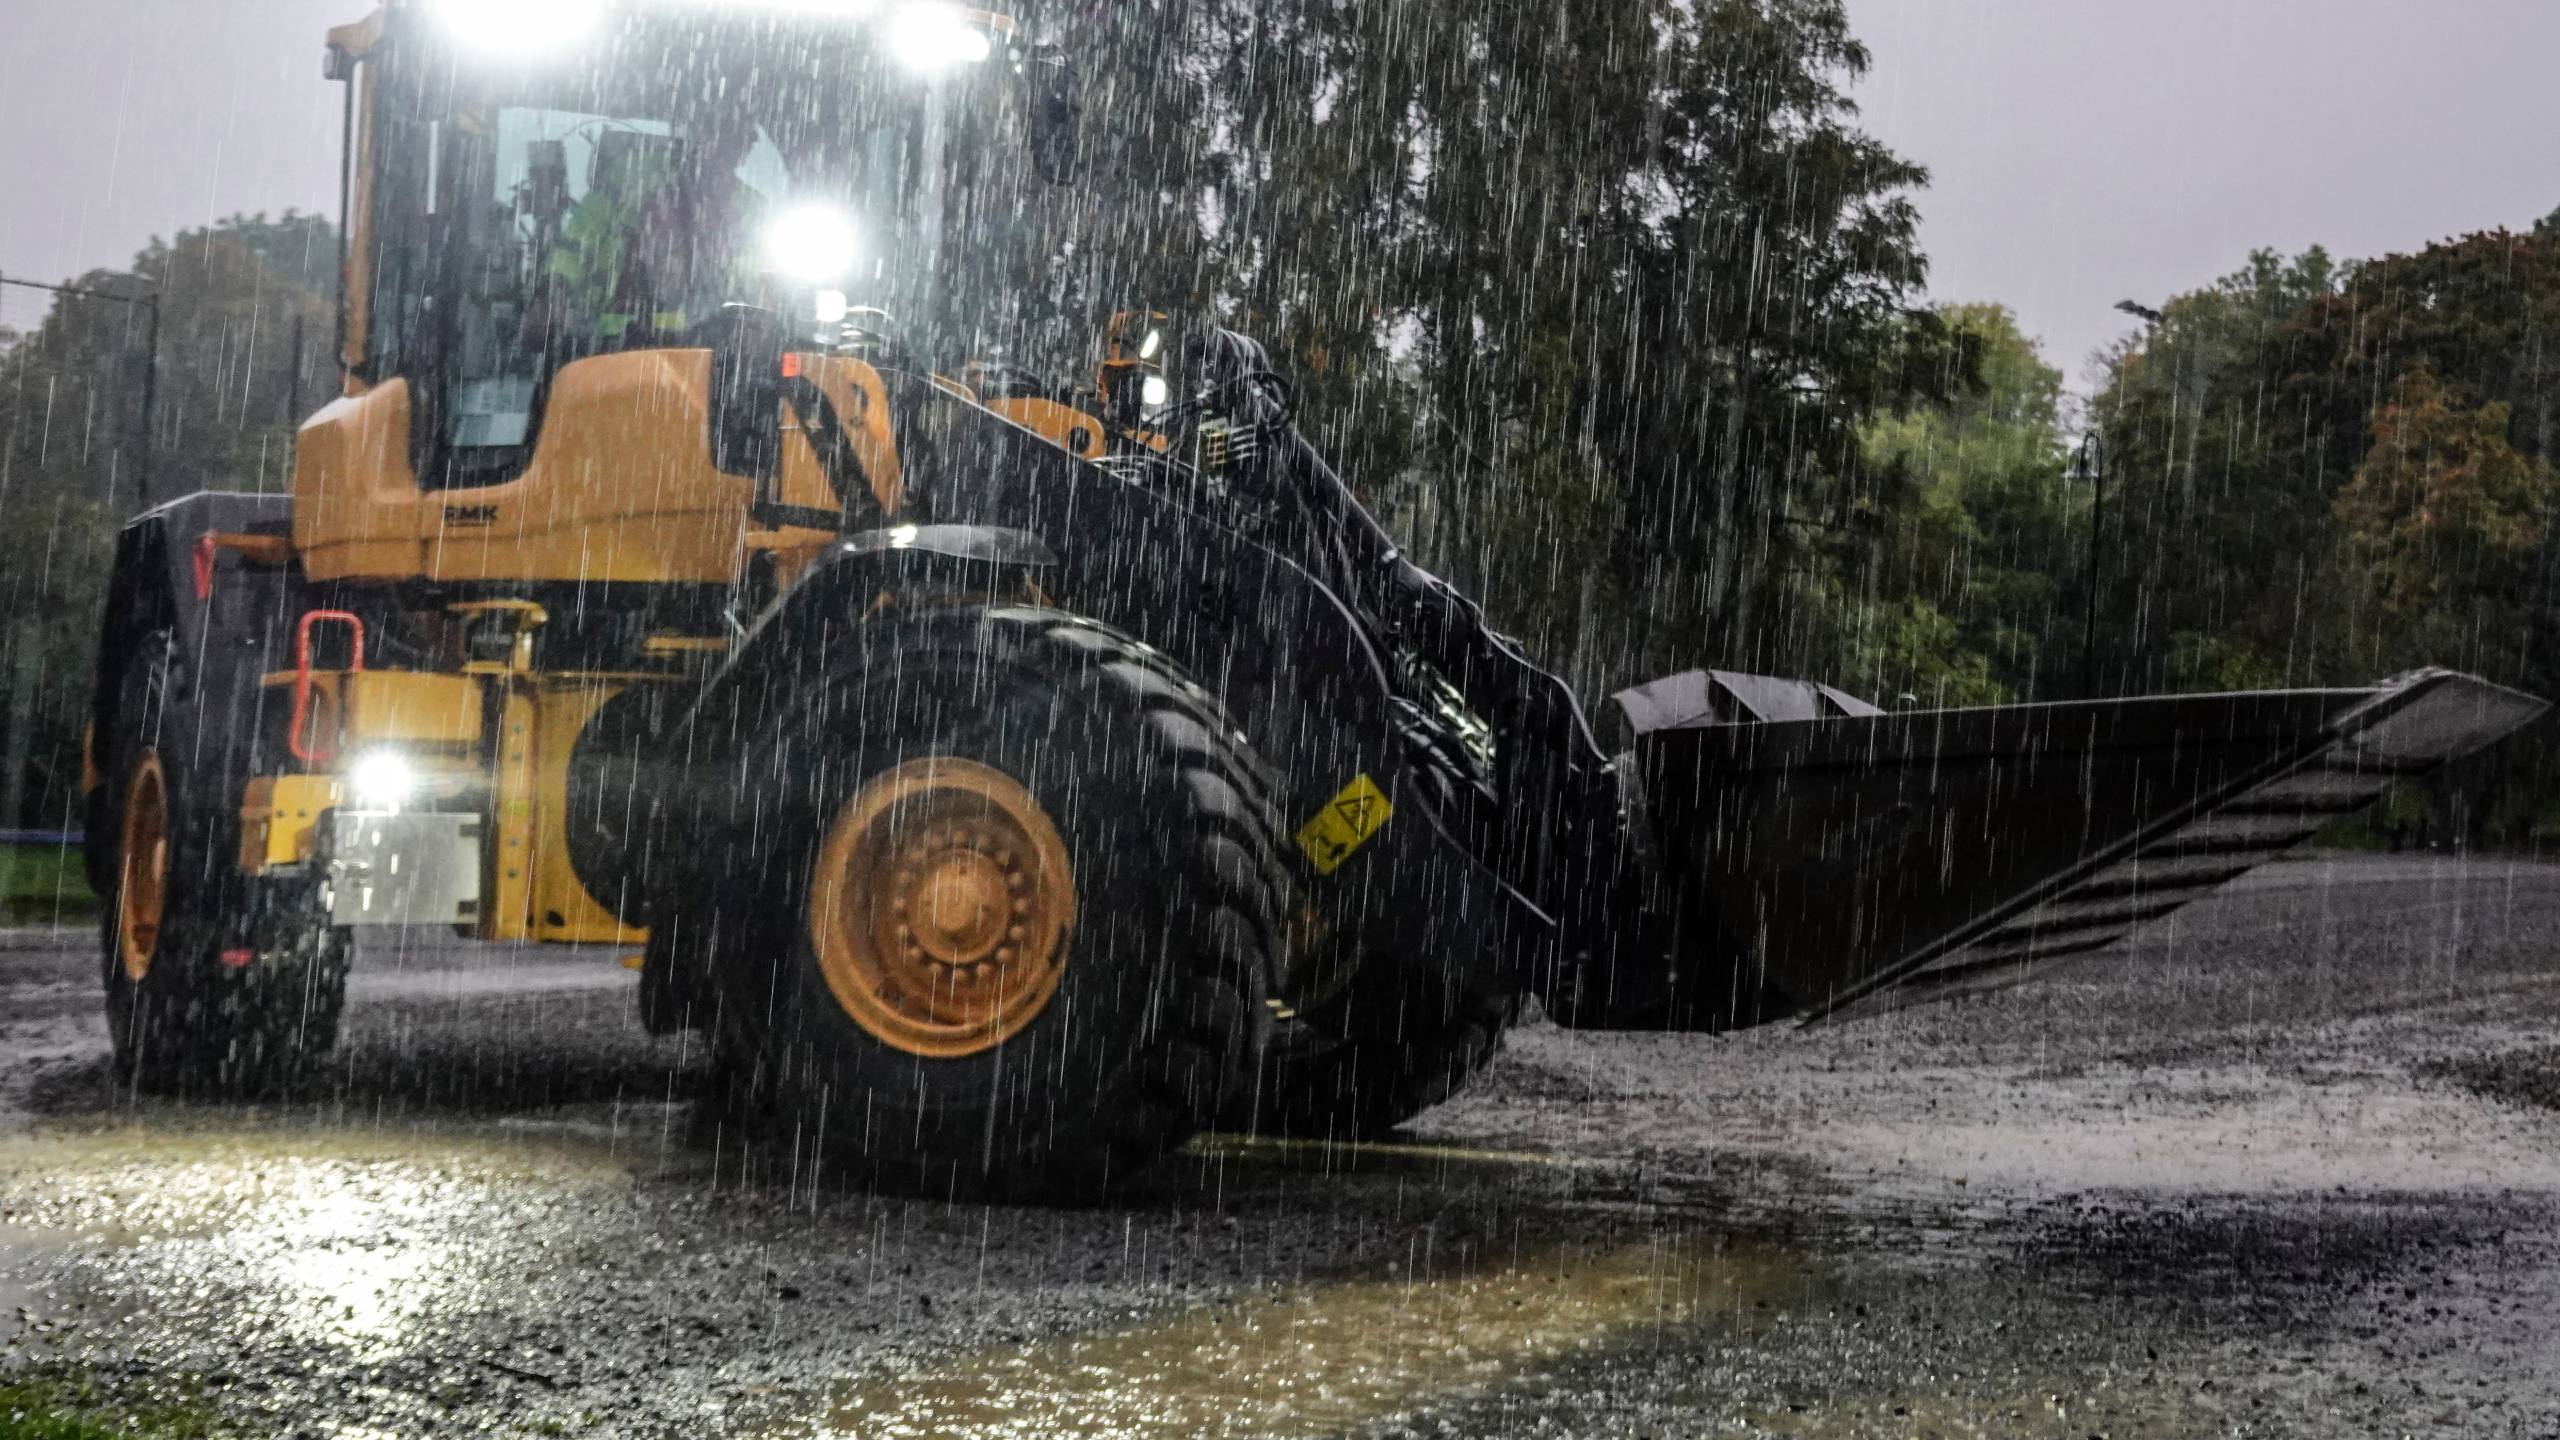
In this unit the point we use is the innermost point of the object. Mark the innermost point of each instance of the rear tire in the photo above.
(214, 982)
(1002, 909)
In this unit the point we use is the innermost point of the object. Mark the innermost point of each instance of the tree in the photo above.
(1592, 297)
(2222, 462)
(72, 452)
(2331, 472)
(1968, 537)
(2450, 519)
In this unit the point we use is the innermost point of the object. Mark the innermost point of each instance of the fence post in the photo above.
(150, 399)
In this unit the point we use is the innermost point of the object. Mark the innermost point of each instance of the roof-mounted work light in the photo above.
(520, 27)
(930, 38)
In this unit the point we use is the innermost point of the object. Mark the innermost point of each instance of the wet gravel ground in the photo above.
(2286, 1166)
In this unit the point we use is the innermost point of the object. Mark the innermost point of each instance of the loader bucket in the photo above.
(1843, 863)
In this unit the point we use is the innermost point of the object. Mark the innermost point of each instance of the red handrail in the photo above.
(205, 547)
(295, 740)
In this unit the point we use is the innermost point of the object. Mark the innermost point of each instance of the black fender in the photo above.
(1289, 658)
(635, 775)
(1019, 518)
(225, 627)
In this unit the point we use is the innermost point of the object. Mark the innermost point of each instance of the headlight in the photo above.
(381, 780)
(1154, 391)
(811, 244)
(521, 27)
(931, 38)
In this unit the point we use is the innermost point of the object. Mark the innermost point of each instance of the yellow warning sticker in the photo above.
(1345, 824)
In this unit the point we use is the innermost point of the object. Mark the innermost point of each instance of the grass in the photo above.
(39, 884)
(69, 1407)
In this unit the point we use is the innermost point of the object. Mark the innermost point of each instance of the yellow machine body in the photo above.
(435, 723)
(620, 487)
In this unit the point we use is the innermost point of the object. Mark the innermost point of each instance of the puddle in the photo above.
(1373, 1157)
(331, 1236)
(1317, 1357)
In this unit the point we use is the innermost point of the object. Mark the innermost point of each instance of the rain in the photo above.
(803, 718)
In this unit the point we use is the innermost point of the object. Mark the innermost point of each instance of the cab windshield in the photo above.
(529, 216)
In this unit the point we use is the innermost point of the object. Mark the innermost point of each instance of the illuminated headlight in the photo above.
(521, 27)
(932, 38)
(811, 244)
(1154, 391)
(381, 780)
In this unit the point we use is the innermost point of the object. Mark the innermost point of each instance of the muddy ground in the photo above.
(2287, 1166)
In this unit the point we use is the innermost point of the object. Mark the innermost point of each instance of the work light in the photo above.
(520, 27)
(381, 780)
(930, 38)
(811, 245)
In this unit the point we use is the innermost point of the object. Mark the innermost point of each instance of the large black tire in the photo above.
(1159, 1017)
(235, 984)
(1394, 1042)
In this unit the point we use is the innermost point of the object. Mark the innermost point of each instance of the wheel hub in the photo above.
(941, 906)
(142, 876)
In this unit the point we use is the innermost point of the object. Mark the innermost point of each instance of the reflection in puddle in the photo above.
(354, 1254)
(1319, 1356)
(341, 1238)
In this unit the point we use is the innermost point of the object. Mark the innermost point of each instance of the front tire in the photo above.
(1005, 905)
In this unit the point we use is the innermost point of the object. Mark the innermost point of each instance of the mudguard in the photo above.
(1285, 655)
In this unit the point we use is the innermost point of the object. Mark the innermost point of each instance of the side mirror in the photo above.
(1057, 114)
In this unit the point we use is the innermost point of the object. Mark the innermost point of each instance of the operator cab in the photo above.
(542, 185)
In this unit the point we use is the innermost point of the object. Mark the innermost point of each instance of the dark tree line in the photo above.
(1615, 312)
(74, 454)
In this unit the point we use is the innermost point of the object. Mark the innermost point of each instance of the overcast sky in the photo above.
(2085, 151)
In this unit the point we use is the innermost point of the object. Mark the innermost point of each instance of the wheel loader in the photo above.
(1011, 775)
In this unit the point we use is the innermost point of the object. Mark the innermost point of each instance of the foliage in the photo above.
(1596, 296)
(73, 454)
(2219, 484)
(2445, 511)
(1969, 537)
(2322, 474)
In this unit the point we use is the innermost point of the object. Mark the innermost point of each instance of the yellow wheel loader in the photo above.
(1013, 777)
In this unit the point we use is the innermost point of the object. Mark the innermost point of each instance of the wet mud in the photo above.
(2287, 1168)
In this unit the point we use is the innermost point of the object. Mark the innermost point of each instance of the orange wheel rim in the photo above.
(941, 907)
(142, 881)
